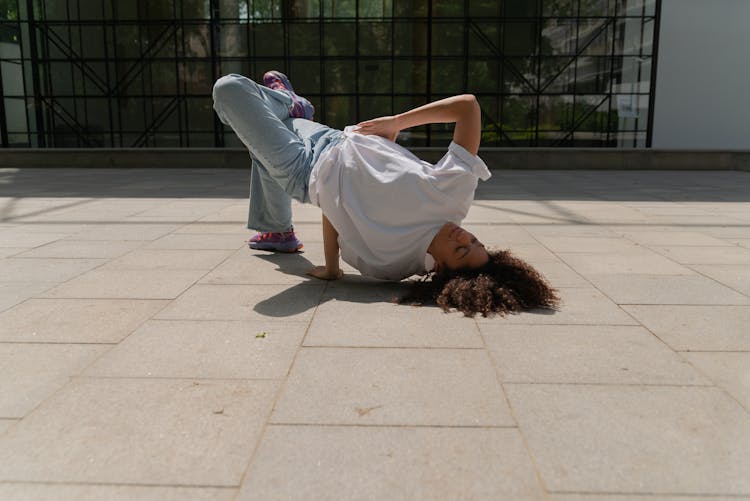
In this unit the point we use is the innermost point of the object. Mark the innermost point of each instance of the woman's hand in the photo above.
(322, 273)
(387, 127)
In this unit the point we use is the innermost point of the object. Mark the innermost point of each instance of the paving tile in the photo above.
(243, 302)
(206, 349)
(127, 284)
(579, 306)
(219, 228)
(128, 431)
(735, 276)
(559, 274)
(392, 386)
(705, 255)
(696, 328)
(198, 241)
(32, 372)
(14, 293)
(730, 371)
(16, 238)
(500, 235)
(381, 322)
(534, 253)
(639, 497)
(11, 251)
(68, 492)
(666, 289)
(248, 266)
(5, 424)
(584, 354)
(635, 439)
(570, 230)
(124, 231)
(83, 249)
(75, 320)
(170, 259)
(401, 463)
(643, 261)
(15, 269)
(588, 244)
(671, 237)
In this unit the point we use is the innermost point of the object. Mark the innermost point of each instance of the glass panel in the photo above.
(447, 8)
(268, 39)
(373, 107)
(339, 8)
(559, 36)
(340, 111)
(448, 39)
(520, 38)
(340, 77)
(233, 40)
(484, 39)
(597, 7)
(562, 8)
(483, 75)
(128, 40)
(304, 39)
(305, 75)
(487, 8)
(15, 115)
(518, 113)
(196, 77)
(595, 37)
(339, 39)
(557, 74)
(520, 74)
(381, 8)
(375, 76)
(556, 113)
(521, 8)
(200, 114)
(410, 38)
(410, 76)
(448, 77)
(375, 39)
(191, 9)
(203, 140)
(593, 74)
(410, 8)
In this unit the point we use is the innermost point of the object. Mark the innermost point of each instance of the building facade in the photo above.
(139, 73)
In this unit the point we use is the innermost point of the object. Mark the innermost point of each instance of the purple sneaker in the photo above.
(301, 107)
(272, 241)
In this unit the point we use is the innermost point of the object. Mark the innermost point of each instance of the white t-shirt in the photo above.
(387, 205)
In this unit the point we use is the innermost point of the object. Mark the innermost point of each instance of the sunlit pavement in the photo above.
(147, 353)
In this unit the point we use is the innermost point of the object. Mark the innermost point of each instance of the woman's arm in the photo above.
(463, 110)
(331, 270)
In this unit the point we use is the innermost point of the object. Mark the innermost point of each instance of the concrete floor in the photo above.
(147, 353)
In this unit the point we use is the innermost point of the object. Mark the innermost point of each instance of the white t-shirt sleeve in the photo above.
(459, 156)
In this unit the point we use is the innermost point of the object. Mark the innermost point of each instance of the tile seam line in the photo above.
(395, 425)
(524, 441)
(693, 266)
(649, 494)
(279, 392)
(79, 375)
(118, 484)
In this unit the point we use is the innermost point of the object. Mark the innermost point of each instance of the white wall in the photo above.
(703, 77)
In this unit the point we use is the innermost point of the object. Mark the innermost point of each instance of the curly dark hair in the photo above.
(506, 284)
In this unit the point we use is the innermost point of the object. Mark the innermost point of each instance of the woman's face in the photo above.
(455, 248)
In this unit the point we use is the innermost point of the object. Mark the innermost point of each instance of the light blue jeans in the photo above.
(283, 149)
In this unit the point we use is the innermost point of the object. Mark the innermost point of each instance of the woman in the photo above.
(389, 214)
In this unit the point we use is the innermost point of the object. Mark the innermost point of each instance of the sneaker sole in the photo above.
(275, 248)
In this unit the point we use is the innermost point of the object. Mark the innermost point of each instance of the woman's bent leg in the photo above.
(270, 206)
(255, 113)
